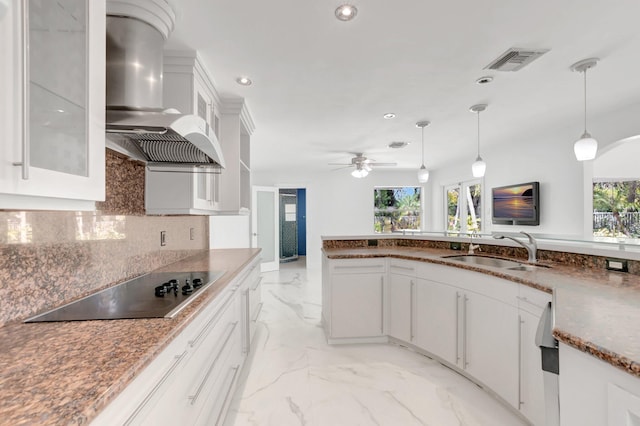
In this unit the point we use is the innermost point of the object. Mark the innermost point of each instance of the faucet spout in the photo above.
(531, 246)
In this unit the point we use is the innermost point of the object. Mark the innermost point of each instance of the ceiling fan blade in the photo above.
(382, 164)
(341, 168)
(340, 164)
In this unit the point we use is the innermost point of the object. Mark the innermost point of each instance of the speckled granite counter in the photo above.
(596, 311)
(66, 372)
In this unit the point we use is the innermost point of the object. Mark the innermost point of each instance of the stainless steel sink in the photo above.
(485, 261)
(495, 262)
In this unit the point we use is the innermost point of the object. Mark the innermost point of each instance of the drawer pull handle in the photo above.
(233, 370)
(406, 268)
(258, 281)
(358, 266)
(524, 299)
(258, 309)
(165, 376)
(195, 396)
(212, 321)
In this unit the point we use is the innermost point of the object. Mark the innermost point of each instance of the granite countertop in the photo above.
(66, 372)
(595, 310)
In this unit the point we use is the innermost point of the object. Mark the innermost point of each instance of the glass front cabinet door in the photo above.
(53, 95)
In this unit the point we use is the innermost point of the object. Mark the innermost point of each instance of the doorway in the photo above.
(292, 224)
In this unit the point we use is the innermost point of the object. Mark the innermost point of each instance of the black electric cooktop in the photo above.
(154, 295)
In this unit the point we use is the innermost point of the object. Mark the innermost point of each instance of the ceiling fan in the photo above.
(362, 164)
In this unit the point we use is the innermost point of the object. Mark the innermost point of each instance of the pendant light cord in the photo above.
(478, 133)
(422, 146)
(585, 101)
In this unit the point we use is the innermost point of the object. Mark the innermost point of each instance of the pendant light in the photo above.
(423, 173)
(479, 166)
(586, 147)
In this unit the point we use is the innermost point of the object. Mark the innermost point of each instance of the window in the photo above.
(616, 208)
(463, 197)
(396, 209)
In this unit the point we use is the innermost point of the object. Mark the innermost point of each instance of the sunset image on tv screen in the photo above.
(513, 202)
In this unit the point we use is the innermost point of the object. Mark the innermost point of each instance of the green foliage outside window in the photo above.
(396, 209)
(616, 209)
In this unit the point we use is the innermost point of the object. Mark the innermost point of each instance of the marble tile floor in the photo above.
(296, 378)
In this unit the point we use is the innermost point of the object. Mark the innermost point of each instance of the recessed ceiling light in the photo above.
(484, 80)
(398, 144)
(389, 115)
(244, 81)
(346, 12)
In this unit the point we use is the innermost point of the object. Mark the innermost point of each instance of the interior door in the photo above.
(264, 226)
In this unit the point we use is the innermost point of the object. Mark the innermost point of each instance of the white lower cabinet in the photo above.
(595, 393)
(437, 319)
(192, 380)
(489, 343)
(401, 295)
(481, 325)
(355, 290)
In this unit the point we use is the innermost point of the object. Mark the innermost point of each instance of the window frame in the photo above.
(463, 188)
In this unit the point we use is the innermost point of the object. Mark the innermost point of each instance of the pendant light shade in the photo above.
(586, 147)
(423, 173)
(479, 166)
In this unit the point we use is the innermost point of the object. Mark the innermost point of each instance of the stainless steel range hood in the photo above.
(136, 123)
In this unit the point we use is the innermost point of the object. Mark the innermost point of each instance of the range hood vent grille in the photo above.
(515, 59)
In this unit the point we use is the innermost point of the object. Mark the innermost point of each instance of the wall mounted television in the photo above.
(516, 204)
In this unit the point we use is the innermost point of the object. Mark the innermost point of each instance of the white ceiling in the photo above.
(321, 85)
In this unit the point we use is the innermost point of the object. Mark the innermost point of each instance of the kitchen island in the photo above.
(596, 312)
(67, 372)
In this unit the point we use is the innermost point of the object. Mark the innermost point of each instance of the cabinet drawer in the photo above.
(403, 267)
(357, 266)
(532, 300)
(478, 282)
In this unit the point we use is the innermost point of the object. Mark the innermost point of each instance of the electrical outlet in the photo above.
(619, 265)
(192, 234)
(163, 238)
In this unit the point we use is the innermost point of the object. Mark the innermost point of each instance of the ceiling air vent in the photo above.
(515, 58)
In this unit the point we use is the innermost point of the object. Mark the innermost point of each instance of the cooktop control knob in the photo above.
(187, 288)
(161, 290)
(197, 282)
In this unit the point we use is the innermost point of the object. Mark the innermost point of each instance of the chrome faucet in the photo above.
(531, 246)
(472, 246)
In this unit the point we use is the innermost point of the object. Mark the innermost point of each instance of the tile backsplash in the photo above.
(50, 258)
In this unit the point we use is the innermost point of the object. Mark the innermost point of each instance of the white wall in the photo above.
(338, 204)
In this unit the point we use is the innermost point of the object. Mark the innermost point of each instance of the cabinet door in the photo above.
(531, 402)
(401, 288)
(356, 305)
(490, 344)
(436, 327)
(56, 136)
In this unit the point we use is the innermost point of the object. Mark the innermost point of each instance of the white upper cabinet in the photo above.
(187, 87)
(52, 81)
(236, 127)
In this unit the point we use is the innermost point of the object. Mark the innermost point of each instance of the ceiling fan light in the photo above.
(423, 174)
(478, 167)
(585, 148)
(359, 173)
